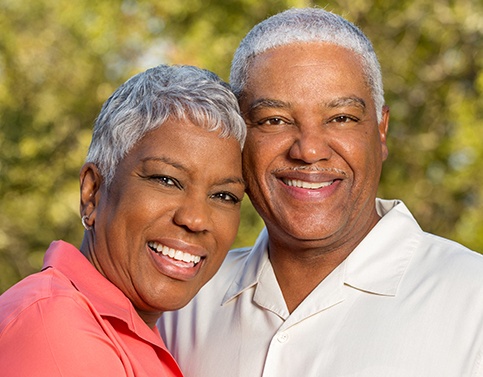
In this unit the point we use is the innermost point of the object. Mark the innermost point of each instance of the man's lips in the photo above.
(175, 254)
(311, 178)
(306, 185)
(310, 183)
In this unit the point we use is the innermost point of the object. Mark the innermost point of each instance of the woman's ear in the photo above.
(90, 192)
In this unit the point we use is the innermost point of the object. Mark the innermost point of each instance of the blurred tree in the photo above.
(431, 54)
(60, 60)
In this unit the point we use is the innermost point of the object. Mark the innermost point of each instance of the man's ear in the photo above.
(383, 127)
(90, 192)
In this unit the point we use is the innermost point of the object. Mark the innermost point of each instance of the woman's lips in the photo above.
(173, 253)
(175, 263)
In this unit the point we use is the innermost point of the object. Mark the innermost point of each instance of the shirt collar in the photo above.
(108, 300)
(377, 265)
(254, 266)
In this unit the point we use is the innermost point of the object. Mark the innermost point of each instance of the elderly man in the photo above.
(339, 283)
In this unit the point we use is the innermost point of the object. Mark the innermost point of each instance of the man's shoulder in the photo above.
(443, 247)
(438, 251)
(447, 260)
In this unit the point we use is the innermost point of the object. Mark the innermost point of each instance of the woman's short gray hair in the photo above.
(307, 25)
(147, 100)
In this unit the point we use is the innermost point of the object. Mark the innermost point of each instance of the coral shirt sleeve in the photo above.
(58, 336)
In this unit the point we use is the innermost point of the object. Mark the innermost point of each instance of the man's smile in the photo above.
(306, 185)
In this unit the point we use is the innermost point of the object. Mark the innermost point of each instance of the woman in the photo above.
(160, 200)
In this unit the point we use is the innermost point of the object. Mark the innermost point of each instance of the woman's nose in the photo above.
(193, 214)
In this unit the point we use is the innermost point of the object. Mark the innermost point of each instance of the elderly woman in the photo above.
(160, 199)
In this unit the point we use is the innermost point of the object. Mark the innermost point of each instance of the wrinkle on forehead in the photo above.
(351, 101)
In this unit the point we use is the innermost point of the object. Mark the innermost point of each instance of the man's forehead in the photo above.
(337, 102)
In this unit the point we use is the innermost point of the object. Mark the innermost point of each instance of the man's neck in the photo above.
(299, 274)
(300, 265)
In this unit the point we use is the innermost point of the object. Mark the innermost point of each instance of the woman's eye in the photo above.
(226, 197)
(166, 181)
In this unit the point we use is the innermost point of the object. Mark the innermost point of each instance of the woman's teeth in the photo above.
(173, 253)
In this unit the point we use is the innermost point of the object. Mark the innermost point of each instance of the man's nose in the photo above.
(311, 144)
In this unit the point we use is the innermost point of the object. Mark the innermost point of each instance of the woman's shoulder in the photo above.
(36, 294)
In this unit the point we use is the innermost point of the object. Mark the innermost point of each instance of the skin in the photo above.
(180, 186)
(311, 122)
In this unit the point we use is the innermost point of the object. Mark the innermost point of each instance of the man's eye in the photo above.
(343, 119)
(272, 122)
(226, 197)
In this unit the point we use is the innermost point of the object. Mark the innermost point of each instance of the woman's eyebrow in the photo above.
(232, 180)
(177, 165)
(165, 160)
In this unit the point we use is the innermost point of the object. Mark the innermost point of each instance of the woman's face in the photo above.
(163, 227)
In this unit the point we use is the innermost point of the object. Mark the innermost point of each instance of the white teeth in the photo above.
(169, 251)
(306, 185)
(175, 254)
(178, 255)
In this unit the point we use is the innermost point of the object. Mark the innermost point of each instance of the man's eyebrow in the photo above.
(268, 103)
(347, 101)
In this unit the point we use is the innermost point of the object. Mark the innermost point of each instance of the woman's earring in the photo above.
(84, 224)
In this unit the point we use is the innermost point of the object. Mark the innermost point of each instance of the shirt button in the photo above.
(282, 337)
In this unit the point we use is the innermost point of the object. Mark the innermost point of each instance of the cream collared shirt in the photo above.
(404, 304)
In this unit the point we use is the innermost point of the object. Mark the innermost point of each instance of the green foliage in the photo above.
(59, 61)
(432, 58)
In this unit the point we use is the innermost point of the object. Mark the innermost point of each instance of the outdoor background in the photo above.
(60, 60)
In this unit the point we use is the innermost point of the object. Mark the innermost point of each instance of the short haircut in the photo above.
(147, 100)
(302, 25)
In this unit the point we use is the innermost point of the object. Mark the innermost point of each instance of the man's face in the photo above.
(314, 151)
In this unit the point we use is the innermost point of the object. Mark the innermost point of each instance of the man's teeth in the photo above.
(306, 185)
(173, 253)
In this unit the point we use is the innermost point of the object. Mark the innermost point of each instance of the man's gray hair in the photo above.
(147, 100)
(300, 25)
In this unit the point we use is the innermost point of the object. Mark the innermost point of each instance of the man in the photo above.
(340, 283)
